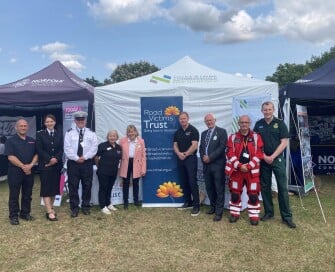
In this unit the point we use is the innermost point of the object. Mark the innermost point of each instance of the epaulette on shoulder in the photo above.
(277, 118)
(69, 130)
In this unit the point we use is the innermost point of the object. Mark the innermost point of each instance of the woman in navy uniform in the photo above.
(107, 160)
(49, 146)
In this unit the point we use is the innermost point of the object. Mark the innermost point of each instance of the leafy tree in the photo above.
(128, 71)
(288, 72)
(94, 82)
(317, 62)
(107, 81)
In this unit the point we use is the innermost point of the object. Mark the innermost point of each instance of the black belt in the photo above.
(89, 160)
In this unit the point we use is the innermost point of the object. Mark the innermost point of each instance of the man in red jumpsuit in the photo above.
(244, 153)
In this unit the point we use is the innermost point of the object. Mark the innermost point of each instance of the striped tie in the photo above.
(208, 136)
(80, 147)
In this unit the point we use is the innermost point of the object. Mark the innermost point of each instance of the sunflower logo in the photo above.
(171, 110)
(169, 189)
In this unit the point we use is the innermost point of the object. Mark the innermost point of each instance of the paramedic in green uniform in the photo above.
(275, 137)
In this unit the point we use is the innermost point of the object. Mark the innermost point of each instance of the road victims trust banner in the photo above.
(159, 121)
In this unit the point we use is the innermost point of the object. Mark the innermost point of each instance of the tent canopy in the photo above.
(52, 85)
(316, 88)
(202, 88)
(318, 84)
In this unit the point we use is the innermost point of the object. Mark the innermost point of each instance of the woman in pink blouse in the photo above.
(133, 163)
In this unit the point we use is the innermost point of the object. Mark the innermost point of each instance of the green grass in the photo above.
(165, 239)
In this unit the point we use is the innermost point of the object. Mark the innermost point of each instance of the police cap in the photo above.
(80, 115)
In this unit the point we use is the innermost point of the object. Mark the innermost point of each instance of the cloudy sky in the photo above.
(91, 37)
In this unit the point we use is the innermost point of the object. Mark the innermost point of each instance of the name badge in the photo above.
(215, 138)
(245, 155)
(109, 148)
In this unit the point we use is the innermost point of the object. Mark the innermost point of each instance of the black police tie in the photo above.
(80, 147)
(51, 133)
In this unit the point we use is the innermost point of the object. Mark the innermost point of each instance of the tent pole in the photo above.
(286, 110)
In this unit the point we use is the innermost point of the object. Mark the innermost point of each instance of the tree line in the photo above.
(124, 72)
(284, 74)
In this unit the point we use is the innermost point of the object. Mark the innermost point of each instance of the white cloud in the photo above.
(110, 66)
(125, 11)
(229, 21)
(58, 51)
(308, 20)
(239, 28)
(74, 65)
(301, 20)
(192, 14)
(54, 47)
(13, 60)
(242, 75)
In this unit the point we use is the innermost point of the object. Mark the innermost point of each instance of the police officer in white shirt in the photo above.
(80, 147)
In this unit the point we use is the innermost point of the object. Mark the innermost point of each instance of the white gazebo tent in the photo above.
(203, 90)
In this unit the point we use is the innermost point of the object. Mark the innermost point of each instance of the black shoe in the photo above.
(14, 221)
(195, 211)
(137, 204)
(253, 222)
(233, 219)
(289, 223)
(217, 218)
(86, 211)
(74, 213)
(185, 206)
(125, 206)
(211, 211)
(266, 217)
(27, 217)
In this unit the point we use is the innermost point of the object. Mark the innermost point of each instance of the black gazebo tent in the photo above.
(43, 92)
(316, 91)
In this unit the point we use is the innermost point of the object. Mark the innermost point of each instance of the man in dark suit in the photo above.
(212, 153)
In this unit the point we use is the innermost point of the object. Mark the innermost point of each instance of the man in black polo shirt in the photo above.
(22, 156)
(275, 137)
(185, 145)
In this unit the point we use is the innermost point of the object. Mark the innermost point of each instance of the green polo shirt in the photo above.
(271, 133)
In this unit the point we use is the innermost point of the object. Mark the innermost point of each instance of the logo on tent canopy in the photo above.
(165, 79)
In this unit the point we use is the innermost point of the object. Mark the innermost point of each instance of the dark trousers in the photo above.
(188, 174)
(279, 170)
(215, 187)
(18, 182)
(80, 172)
(126, 183)
(106, 184)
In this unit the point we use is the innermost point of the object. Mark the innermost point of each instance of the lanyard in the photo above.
(245, 143)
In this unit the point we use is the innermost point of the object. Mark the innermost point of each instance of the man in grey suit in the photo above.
(212, 153)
